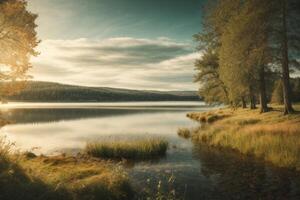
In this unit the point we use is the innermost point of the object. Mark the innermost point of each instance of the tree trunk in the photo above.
(244, 105)
(252, 102)
(252, 98)
(262, 91)
(285, 64)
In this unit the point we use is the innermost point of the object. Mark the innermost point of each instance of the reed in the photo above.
(184, 132)
(140, 149)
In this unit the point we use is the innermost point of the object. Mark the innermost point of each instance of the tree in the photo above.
(286, 42)
(277, 95)
(252, 39)
(296, 89)
(244, 53)
(18, 40)
(212, 88)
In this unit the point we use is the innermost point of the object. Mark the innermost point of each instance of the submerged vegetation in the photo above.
(271, 136)
(143, 149)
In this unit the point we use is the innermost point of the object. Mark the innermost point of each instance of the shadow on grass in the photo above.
(17, 185)
(43, 178)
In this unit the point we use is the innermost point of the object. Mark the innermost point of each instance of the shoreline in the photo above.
(271, 136)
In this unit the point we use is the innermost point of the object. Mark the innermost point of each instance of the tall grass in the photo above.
(271, 136)
(30, 177)
(184, 132)
(81, 178)
(141, 149)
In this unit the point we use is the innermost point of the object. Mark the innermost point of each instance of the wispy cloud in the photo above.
(117, 62)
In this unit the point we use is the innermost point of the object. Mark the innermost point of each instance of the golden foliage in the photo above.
(18, 40)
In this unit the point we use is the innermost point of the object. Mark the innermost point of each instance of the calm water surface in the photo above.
(200, 172)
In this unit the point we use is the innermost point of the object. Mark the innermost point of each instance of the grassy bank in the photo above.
(271, 136)
(184, 132)
(26, 176)
(144, 149)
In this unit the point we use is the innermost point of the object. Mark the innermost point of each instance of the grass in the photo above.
(140, 149)
(25, 176)
(184, 132)
(209, 117)
(271, 136)
(80, 178)
(29, 177)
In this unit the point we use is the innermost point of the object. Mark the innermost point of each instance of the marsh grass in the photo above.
(271, 136)
(184, 132)
(208, 117)
(81, 178)
(25, 176)
(139, 149)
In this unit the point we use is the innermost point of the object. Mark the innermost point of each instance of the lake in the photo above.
(199, 171)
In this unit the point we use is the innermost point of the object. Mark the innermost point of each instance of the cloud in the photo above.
(125, 62)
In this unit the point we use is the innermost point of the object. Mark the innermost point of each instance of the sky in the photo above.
(135, 44)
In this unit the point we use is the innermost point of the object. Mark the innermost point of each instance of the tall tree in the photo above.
(286, 42)
(244, 52)
(18, 40)
(277, 94)
(253, 38)
(212, 88)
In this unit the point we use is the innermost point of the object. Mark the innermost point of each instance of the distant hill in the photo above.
(37, 91)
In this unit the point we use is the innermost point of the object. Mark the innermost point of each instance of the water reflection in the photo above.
(235, 176)
(68, 129)
(46, 115)
(200, 172)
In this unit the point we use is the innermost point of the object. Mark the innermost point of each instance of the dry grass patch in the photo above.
(184, 132)
(208, 117)
(271, 136)
(80, 178)
(30, 177)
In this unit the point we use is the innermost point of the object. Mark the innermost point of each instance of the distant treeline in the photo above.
(35, 91)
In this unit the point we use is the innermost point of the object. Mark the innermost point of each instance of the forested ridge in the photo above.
(36, 91)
